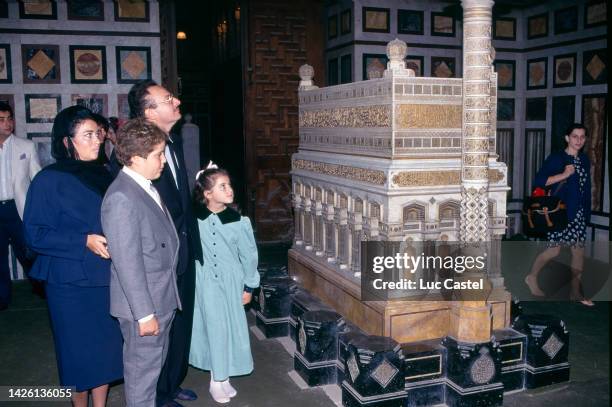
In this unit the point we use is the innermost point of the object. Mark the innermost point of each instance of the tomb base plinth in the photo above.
(404, 321)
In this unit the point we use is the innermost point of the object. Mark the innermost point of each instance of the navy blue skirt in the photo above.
(88, 342)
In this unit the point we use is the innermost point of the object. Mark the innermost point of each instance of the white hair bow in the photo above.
(211, 165)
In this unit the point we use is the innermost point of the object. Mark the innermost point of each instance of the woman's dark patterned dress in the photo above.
(575, 232)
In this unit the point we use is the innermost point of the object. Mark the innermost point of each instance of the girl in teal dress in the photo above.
(224, 284)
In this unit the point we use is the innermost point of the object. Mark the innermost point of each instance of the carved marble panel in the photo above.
(475, 159)
(476, 145)
(360, 116)
(477, 60)
(477, 44)
(483, 89)
(474, 102)
(477, 30)
(475, 173)
(428, 116)
(477, 73)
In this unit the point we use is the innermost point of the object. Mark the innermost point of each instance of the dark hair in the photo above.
(205, 181)
(64, 126)
(101, 121)
(113, 123)
(5, 107)
(137, 137)
(137, 98)
(572, 127)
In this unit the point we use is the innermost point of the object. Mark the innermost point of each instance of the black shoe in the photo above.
(186, 395)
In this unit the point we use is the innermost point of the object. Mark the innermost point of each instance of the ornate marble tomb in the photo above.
(399, 158)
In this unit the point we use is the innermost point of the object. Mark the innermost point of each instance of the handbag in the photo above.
(544, 213)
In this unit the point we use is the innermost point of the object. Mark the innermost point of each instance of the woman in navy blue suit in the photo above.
(571, 167)
(62, 223)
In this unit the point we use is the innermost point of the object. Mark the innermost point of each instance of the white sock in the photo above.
(228, 388)
(217, 392)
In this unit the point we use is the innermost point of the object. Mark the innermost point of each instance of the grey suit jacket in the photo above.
(143, 245)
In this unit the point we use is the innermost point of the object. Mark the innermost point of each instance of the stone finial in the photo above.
(306, 73)
(396, 52)
(375, 69)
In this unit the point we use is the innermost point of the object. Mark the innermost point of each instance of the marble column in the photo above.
(318, 238)
(471, 321)
(355, 222)
(330, 232)
(299, 218)
(340, 220)
(477, 119)
(308, 218)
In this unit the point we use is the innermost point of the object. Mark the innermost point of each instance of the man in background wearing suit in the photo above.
(18, 165)
(144, 246)
(157, 105)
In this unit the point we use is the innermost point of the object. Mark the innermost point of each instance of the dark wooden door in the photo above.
(279, 37)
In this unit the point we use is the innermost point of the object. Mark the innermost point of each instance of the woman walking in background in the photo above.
(571, 167)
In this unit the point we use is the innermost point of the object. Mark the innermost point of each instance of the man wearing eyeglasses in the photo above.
(156, 104)
(18, 165)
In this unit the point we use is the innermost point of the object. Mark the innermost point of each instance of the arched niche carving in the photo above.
(449, 210)
(413, 213)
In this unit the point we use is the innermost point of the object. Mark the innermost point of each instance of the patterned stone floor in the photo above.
(27, 358)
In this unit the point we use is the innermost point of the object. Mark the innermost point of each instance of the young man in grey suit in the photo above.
(143, 245)
(18, 166)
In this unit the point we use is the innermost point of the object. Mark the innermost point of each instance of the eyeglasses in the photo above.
(169, 98)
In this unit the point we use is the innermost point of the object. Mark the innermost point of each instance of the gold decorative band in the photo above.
(495, 176)
(428, 116)
(426, 178)
(360, 116)
(437, 178)
(342, 171)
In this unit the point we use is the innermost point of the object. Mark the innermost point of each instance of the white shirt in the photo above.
(147, 185)
(6, 182)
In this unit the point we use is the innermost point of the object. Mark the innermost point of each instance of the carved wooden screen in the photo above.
(281, 36)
